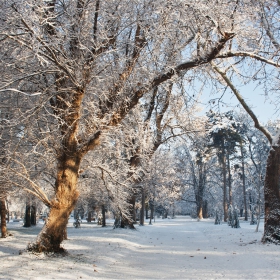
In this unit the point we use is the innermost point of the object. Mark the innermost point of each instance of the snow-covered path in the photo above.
(179, 248)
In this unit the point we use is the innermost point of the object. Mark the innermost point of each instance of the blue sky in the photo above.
(262, 106)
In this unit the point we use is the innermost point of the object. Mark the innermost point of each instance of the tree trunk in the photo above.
(27, 216)
(259, 211)
(142, 212)
(8, 211)
(271, 196)
(33, 215)
(200, 193)
(3, 218)
(243, 184)
(127, 222)
(103, 216)
(66, 196)
(225, 184)
(199, 210)
(147, 212)
(205, 209)
(89, 217)
(229, 181)
(152, 207)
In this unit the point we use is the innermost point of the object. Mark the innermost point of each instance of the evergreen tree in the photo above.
(224, 133)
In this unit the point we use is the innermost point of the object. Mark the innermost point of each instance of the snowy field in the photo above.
(179, 248)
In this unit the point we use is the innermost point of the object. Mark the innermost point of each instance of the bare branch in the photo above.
(243, 103)
(248, 54)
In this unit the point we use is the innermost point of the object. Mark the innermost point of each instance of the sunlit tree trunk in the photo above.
(200, 191)
(205, 209)
(3, 218)
(66, 195)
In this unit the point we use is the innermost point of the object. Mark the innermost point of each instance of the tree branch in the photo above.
(138, 94)
(248, 54)
(243, 103)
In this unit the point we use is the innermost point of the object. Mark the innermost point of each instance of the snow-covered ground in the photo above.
(179, 248)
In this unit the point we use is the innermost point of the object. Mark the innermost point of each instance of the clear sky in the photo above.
(265, 108)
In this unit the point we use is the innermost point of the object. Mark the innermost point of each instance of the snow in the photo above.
(275, 139)
(179, 248)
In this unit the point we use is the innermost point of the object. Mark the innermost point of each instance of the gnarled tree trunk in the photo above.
(271, 196)
(127, 222)
(66, 196)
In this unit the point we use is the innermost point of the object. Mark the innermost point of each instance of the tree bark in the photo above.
(8, 211)
(33, 215)
(131, 219)
(66, 196)
(3, 218)
(142, 212)
(243, 183)
(225, 184)
(229, 181)
(27, 216)
(128, 222)
(271, 196)
(103, 216)
(152, 207)
(205, 209)
(200, 192)
(89, 217)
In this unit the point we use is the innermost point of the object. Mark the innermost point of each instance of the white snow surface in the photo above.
(180, 248)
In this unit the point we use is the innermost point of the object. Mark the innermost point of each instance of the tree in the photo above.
(271, 186)
(224, 132)
(258, 151)
(193, 163)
